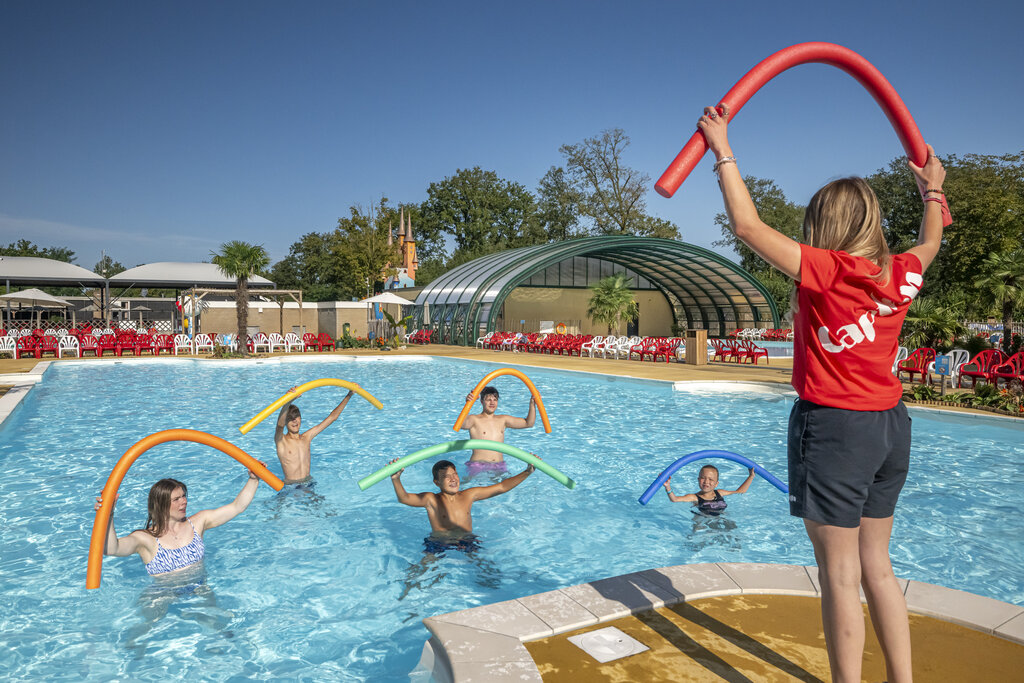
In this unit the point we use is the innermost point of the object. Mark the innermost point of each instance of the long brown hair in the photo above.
(160, 505)
(844, 216)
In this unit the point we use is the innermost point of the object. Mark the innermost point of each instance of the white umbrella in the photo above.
(34, 297)
(387, 298)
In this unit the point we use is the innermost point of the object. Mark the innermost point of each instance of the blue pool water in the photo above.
(334, 586)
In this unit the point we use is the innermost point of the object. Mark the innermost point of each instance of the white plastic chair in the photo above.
(61, 332)
(607, 346)
(9, 344)
(181, 341)
(292, 341)
(480, 341)
(591, 346)
(275, 340)
(203, 342)
(625, 344)
(958, 359)
(259, 341)
(68, 343)
(901, 354)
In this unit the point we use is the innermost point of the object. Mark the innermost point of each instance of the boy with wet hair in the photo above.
(449, 508)
(488, 425)
(293, 448)
(709, 500)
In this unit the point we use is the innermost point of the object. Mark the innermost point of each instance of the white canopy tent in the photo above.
(33, 297)
(381, 328)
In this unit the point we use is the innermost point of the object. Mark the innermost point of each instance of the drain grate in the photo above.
(607, 644)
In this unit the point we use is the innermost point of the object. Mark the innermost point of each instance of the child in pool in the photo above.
(449, 508)
(488, 425)
(849, 432)
(709, 500)
(293, 445)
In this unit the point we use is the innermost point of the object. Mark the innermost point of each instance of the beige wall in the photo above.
(317, 317)
(549, 303)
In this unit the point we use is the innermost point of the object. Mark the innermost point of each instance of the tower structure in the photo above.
(406, 275)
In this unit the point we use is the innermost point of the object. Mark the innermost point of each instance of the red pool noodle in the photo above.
(823, 53)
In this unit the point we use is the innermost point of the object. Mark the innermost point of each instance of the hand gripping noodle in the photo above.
(303, 388)
(700, 455)
(99, 525)
(804, 53)
(466, 445)
(475, 394)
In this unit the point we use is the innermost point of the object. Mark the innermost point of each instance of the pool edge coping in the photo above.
(485, 643)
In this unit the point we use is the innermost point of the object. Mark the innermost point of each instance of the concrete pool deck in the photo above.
(713, 622)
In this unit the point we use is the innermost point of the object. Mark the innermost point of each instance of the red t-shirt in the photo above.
(846, 326)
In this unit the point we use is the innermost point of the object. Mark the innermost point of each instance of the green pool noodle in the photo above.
(466, 445)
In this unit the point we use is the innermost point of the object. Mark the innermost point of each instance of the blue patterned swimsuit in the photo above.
(171, 559)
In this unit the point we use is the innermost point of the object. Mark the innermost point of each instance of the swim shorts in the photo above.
(436, 545)
(475, 467)
(846, 464)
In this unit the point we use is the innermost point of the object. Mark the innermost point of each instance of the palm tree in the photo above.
(612, 302)
(241, 261)
(929, 323)
(1002, 285)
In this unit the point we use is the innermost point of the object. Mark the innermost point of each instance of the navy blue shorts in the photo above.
(846, 464)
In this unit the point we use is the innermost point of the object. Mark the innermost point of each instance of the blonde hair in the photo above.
(844, 216)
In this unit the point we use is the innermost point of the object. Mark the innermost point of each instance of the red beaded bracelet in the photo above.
(933, 199)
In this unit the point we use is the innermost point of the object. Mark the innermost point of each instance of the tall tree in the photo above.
(558, 206)
(482, 212)
(107, 267)
(774, 209)
(1002, 284)
(318, 264)
(611, 194)
(241, 261)
(611, 302)
(365, 243)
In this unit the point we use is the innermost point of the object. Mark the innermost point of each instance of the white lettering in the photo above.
(826, 343)
(854, 333)
(867, 323)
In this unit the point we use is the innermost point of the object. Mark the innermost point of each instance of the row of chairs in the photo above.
(760, 334)
(537, 342)
(137, 344)
(423, 336)
(739, 350)
(990, 366)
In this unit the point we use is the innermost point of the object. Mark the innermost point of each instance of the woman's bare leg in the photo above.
(837, 551)
(886, 604)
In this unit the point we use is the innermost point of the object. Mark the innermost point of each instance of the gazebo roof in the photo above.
(33, 270)
(180, 275)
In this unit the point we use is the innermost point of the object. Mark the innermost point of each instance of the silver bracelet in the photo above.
(723, 160)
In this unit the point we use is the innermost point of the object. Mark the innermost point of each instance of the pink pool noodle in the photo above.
(823, 53)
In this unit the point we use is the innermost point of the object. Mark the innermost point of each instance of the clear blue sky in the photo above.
(157, 131)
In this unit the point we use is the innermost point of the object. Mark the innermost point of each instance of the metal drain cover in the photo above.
(607, 644)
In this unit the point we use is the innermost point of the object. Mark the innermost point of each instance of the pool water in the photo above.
(333, 583)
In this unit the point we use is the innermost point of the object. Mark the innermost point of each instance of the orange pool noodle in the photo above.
(99, 525)
(475, 394)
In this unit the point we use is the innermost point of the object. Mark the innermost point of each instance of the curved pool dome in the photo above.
(703, 289)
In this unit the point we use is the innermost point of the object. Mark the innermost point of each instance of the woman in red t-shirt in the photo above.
(849, 433)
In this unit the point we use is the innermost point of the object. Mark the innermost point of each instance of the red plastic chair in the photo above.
(1012, 369)
(309, 342)
(143, 342)
(917, 363)
(108, 342)
(748, 350)
(28, 346)
(87, 342)
(324, 341)
(981, 366)
(163, 342)
(48, 344)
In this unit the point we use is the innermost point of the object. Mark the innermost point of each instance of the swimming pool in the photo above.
(334, 585)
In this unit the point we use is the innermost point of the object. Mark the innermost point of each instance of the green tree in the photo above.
(612, 302)
(482, 212)
(24, 247)
(107, 267)
(365, 245)
(986, 197)
(929, 323)
(611, 194)
(318, 265)
(1002, 285)
(558, 206)
(241, 261)
(774, 209)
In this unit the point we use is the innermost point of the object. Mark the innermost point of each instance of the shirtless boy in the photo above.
(293, 447)
(487, 425)
(449, 508)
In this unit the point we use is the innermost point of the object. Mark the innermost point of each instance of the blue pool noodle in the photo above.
(700, 455)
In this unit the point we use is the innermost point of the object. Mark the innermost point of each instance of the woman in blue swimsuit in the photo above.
(171, 539)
